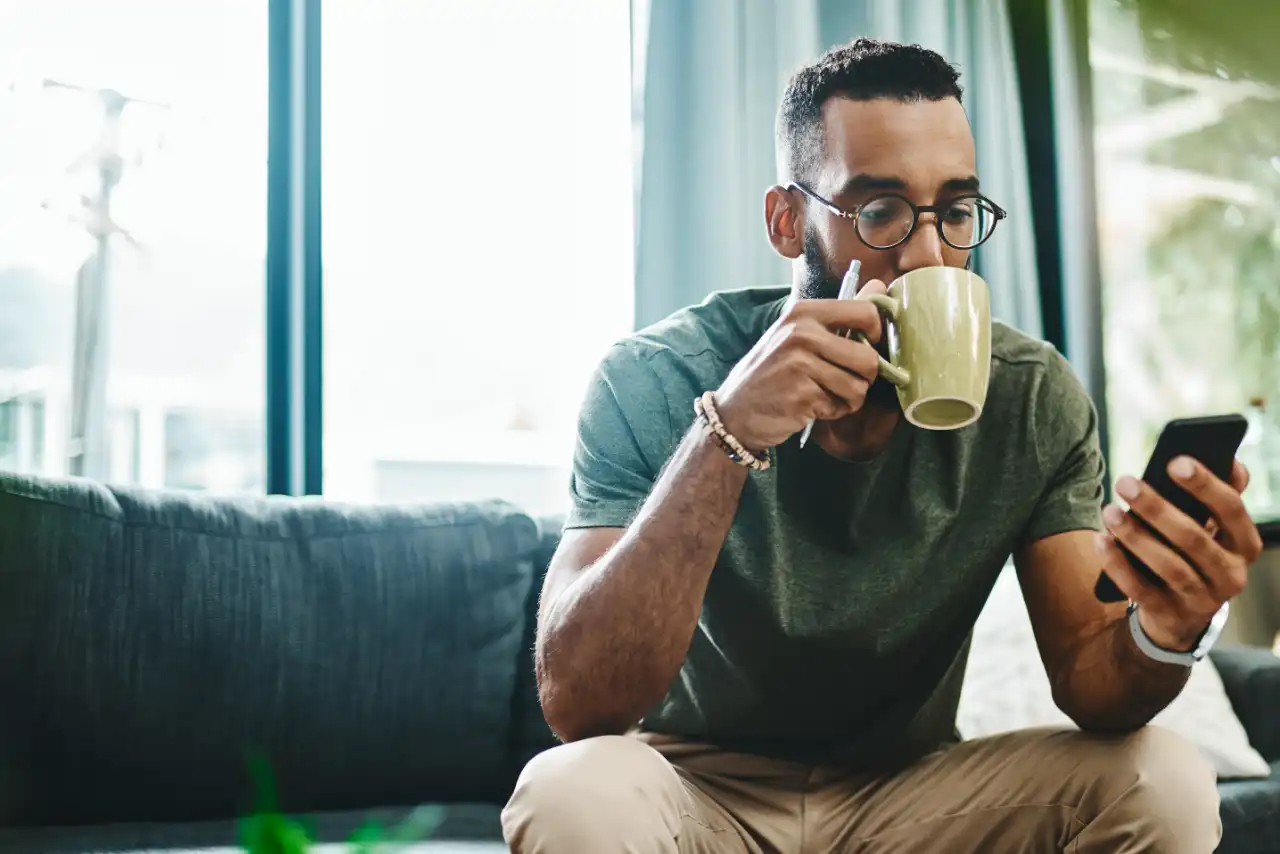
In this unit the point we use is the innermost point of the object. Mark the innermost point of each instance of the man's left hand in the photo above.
(1207, 565)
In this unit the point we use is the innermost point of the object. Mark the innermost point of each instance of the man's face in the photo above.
(922, 150)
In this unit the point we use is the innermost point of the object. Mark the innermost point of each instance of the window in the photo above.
(1187, 142)
(133, 141)
(477, 240)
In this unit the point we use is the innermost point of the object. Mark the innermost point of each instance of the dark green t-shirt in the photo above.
(836, 623)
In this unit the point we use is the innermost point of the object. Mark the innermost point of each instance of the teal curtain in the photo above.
(713, 72)
(708, 78)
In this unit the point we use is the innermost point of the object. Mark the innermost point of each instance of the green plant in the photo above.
(269, 831)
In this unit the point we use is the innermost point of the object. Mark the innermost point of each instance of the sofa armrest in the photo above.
(1251, 676)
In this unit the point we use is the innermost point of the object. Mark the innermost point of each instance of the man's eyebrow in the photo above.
(864, 182)
(968, 183)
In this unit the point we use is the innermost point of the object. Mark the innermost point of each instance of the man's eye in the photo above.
(877, 212)
(959, 212)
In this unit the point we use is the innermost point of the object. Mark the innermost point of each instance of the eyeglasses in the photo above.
(886, 220)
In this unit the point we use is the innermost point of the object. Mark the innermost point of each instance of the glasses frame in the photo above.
(916, 210)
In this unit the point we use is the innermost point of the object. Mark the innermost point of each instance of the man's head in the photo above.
(866, 118)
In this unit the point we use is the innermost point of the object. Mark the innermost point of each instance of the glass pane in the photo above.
(477, 240)
(1187, 104)
(133, 162)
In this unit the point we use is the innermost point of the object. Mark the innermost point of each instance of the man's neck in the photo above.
(861, 436)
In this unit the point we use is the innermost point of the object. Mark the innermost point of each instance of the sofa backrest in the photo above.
(530, 733)
(149, 641)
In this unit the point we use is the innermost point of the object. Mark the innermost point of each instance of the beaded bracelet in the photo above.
(705, 409)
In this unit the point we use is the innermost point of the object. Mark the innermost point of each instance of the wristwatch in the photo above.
(1205, 642)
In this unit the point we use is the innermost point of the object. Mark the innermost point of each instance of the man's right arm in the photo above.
(620, 604)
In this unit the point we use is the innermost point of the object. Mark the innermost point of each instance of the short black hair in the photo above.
(862, 70)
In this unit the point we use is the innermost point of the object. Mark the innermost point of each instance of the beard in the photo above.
(818, 282)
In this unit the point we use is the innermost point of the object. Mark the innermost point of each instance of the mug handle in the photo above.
(890, 306)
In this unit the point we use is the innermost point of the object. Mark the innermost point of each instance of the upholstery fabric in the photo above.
(529, 728)
(150, 641)
(380, 656)
(1251, 815)
(1252, 679)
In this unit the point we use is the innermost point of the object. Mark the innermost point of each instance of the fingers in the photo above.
(854, 356)
(844, 391)
(1239, 476)
(840, 368)
(810, 336)
(1191, 562)
(1238, 532)
(840, 315)
(1158, 557)
(1201, 566)
(1131, 583)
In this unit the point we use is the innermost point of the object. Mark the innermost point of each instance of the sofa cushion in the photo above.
(1251, 676)
(1251, 815)
(149, 641)
(529, 728)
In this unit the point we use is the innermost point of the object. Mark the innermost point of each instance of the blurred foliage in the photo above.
(1233, 39)
(269, 831)
(1214, 245)
(1210, 271)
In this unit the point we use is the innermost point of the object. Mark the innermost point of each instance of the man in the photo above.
(770, 660)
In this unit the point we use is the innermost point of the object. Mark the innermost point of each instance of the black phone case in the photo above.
(1214, 441)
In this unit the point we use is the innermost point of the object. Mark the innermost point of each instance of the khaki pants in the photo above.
(1031, 791)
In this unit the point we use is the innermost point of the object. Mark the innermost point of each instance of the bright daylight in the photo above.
(649, 426)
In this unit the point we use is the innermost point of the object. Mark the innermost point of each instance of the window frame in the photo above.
(294, 278)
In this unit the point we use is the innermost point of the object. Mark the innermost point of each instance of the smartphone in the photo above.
(1214, 441)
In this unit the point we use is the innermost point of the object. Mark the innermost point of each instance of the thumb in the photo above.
(872, 286)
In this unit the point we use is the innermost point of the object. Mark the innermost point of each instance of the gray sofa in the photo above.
(378, 656)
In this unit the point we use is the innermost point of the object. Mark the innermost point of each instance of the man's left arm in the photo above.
(1100, 677)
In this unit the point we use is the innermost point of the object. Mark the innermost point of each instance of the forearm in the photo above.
(1109, 684)
(612, 642)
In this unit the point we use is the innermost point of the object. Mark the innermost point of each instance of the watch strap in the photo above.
(1204, 643)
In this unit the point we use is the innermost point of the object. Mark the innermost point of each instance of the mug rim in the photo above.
(948, 270)
(977, 412)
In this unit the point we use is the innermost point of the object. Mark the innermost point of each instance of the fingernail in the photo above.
(1112, 515)
(1127, 488)
(1182, 468)
(1102, 543)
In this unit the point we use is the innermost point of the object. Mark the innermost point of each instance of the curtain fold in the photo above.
(714, 70)
(709, 78)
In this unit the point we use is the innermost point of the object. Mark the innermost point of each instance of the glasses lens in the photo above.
(885, 221)
(968, 221)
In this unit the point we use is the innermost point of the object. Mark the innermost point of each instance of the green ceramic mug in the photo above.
(939, 333)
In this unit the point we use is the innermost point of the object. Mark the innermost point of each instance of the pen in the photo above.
(848, 290)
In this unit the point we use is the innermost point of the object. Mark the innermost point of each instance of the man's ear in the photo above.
(784, 218)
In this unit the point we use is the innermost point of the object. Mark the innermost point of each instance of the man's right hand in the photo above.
(802, 369)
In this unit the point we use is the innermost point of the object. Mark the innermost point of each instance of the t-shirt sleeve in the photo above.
(624, 431)
(1065, 431)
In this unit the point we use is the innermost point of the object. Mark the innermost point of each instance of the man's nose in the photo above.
(923, 248)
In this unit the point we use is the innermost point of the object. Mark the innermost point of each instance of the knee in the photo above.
(594, 770)
(1161, 785)
(581, 796)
